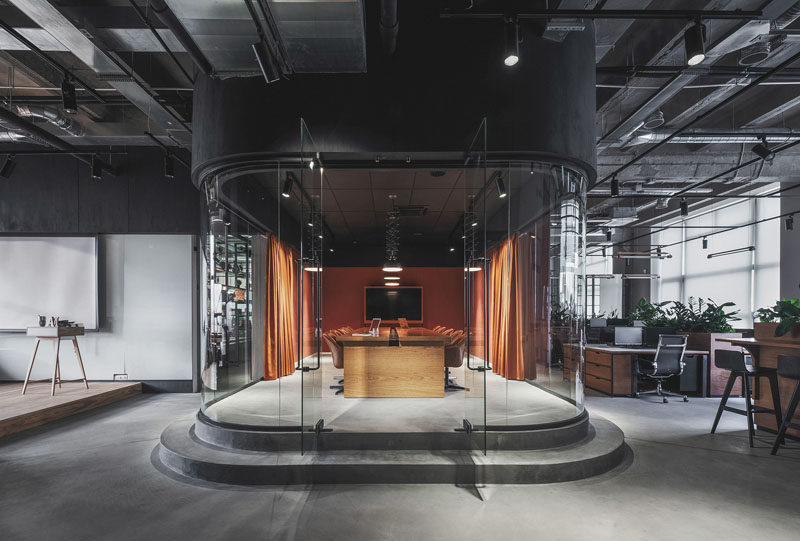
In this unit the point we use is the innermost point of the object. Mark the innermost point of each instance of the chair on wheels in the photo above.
(338, 360)
(735, 362)
(789, 368)
(667, 362)
(453, 358)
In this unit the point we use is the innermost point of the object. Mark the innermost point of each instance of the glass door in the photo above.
(310, 176)
(476, 355)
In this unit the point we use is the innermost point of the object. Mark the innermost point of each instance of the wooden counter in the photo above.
(765, 353)
(374, 369)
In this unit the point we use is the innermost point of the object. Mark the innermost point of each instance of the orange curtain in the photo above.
(280, 323)
(510, 307)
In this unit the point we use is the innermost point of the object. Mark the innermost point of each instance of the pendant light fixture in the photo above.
(511, 35)
(694, 39)
(392, 263)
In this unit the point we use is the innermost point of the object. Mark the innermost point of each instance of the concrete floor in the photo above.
(91, 477)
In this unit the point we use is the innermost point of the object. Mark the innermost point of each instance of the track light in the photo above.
(474, 224)
(684, 207)
(731, 252)
(511, 33)
(614, 186)
(97, 170)
(790, 222)
(169, 165)
(266, 61)
(452, 249)
(705, 243)
(501, 186)
(8, 166)
(608, 235)
(762, 150)
(287, 186)
(694, 39)
(311, 164)
(69, 100)
(604, 251)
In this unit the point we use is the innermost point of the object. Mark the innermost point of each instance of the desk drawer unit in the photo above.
(609, 373)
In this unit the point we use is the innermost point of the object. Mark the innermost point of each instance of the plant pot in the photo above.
(766, 331)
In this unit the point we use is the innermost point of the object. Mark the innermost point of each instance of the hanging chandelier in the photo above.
(392, 263)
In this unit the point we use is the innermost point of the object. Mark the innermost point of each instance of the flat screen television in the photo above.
(392, 303)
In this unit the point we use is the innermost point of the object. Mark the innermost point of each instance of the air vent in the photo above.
(413, 210)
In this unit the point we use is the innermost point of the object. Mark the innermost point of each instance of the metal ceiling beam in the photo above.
(79, 44)
(172, 22)
(630, 14)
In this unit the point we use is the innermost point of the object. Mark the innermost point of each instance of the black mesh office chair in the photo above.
(668, 362)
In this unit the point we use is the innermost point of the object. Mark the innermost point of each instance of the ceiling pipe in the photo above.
(175, 26)
(42, 136)
(788, 17)
(737, 137)
(53, 116)
(389, 26)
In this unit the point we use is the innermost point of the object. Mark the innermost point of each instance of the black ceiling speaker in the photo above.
(266, 61)
(705, 243)
(790, 222)
(8, 166)
(69, 99)
(614, 186)
(684, 208)
(97, 168)
(511, 35)
(608, 235)
(694, 39)
(169, 165)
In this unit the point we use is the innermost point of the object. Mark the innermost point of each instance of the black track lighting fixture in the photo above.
(790, 222)
(97, 168)
(266, 61)
(287, 186)
(705, 243)
(8, 166)
(511, 34)
(169, 165)
(608, 235)
(604, 251)
(614, 186)
(694, 39)
(501, 186)
(684, 207)
(762, 150)
(69, 99)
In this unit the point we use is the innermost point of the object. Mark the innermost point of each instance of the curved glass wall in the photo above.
(517, 234)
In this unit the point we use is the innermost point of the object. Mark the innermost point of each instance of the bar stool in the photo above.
(734, 361)
(789, 368)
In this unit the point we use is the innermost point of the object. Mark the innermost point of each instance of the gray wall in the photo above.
(790, 250)
(146, 317)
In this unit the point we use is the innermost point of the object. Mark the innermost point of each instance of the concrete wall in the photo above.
(790, 250)
(146, 318)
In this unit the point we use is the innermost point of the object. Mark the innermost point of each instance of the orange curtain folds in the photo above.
(511, 303)
(280, 326)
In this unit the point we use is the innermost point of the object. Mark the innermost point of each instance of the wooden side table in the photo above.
(55, 334)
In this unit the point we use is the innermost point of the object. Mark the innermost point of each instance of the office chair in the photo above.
(338, 360)
(668, 362)
(453, 358)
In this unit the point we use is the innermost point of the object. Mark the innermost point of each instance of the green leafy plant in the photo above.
(562, 314)
(653, 315)
(703, 316)
(786, 313)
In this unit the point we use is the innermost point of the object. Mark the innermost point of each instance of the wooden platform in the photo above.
(37, 407)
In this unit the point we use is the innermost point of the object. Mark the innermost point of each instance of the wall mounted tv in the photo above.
(390, 303)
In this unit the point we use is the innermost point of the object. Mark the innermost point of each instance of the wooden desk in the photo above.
(374, 369)
(612, 370)
(765, 354)
(55, 334)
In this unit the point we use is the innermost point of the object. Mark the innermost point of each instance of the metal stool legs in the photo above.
(787, 419)
(750, 409)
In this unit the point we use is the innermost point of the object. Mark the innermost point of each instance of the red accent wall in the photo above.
(343, 294)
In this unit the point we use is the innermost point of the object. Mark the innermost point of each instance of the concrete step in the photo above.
(252, 439)
(181, 451)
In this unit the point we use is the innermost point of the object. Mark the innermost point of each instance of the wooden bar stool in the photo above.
(789, 368)
(734, 361)
(55, 334)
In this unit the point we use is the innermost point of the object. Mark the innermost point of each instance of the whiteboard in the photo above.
(49, 276)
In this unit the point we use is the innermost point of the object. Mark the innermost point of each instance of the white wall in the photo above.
(146, 316)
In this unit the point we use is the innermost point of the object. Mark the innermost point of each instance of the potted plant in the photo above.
(653, 315)
(705, 322)
(780, 322)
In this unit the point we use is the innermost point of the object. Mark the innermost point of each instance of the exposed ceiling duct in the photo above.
(740, 136)
(53, 116)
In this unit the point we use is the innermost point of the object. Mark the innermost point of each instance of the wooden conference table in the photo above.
(375, 369)
(765, 354)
